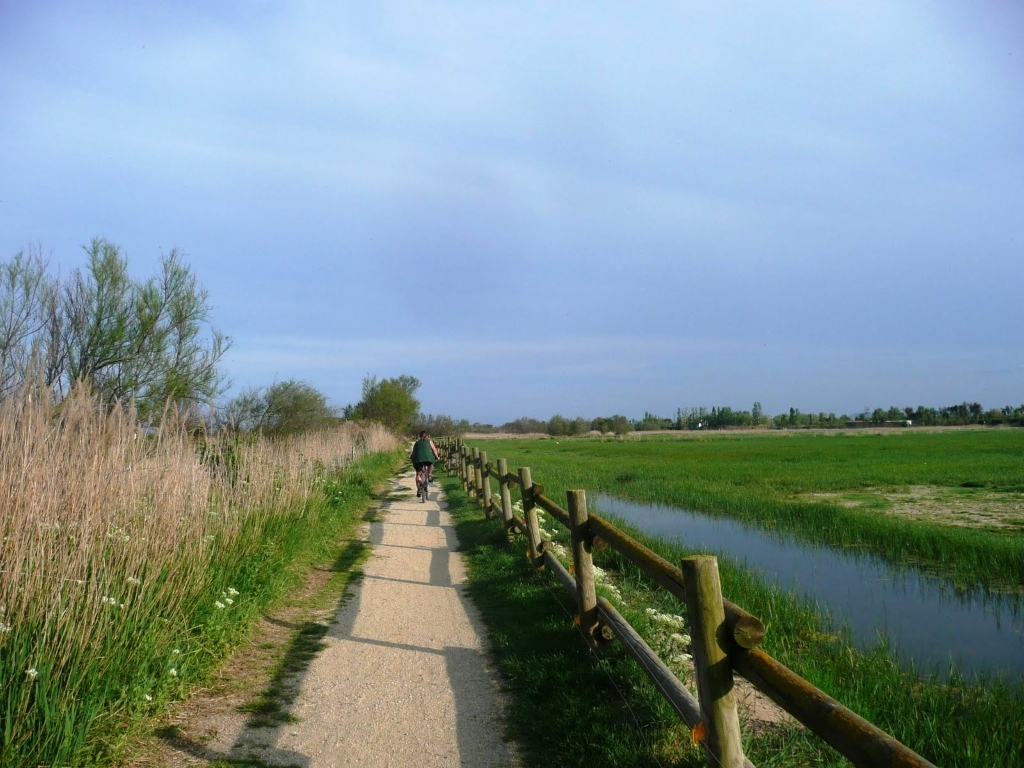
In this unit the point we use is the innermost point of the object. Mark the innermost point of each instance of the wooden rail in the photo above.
(724, 636)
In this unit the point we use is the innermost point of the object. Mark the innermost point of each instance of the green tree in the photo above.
(285, 407)
(131, 341)
(390, 402)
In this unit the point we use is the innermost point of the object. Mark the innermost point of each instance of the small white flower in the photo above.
(176, 651)
(172, 672)
(232, 591)
(32, 673)
(219, 604)
(134, 581)
(229, 601)
(147, 697)
(4, 627)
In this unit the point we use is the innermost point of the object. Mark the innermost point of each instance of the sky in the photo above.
(548, 207)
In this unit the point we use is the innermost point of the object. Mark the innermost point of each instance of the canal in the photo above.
(927, 621)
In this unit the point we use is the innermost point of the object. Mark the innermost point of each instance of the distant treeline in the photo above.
(725, 417)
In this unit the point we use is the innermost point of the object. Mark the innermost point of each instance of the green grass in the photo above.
(760, 478)
(569, 707)
(952, 724)
(149, 658)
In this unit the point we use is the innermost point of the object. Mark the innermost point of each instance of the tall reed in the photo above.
(123, 551)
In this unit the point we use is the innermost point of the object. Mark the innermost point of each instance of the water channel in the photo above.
(927, 621)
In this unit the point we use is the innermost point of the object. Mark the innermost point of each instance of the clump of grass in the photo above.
(131, 560)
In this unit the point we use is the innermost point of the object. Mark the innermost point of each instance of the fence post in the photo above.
(583, 563)
(706, 614)
(506, 497)
(464, 468)
(474, 476)
(530, 516)
(485, 476)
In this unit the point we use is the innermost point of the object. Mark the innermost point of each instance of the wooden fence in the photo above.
(725, 638)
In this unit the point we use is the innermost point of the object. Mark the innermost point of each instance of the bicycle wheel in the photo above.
(423, 488)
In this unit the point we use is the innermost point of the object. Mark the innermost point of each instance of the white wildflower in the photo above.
(172, 672)
(682, 658)
(218, 604)
(147, 697)
(32, 673)
(679, 639)
(134, 581)
(232, 591)
(176, 652)
(229, 601)
(4, 628)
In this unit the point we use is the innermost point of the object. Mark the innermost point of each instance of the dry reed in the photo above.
(108, 530)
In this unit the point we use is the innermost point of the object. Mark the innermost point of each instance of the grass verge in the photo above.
(952, 724)
(568, 707)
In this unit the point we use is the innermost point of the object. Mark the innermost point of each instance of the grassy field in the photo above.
(833, 488)
(132, 562)
(765, 479)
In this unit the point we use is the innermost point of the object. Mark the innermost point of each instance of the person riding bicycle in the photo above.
(424, 454)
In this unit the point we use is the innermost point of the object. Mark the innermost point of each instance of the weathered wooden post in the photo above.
(485, 475)
(505, 489)
(706, 612)
(583, 564)
(464, 468)
(530, 516)
(474, 472)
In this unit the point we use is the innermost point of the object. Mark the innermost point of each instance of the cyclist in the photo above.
(424, 454)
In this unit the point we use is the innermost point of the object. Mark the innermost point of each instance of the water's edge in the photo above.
(925, 619)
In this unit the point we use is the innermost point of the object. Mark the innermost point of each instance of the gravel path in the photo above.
(403, 680)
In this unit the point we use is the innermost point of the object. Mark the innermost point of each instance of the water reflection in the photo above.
(926, 618)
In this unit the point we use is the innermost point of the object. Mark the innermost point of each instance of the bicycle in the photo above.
(422, 483)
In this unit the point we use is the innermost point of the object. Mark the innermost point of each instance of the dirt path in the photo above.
(398, 677)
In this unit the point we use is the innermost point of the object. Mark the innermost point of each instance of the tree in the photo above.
(27, 301)
(525, 425)
(442, 425)
(285, 407)
(129, 341)
(559, 426)
(391, 402)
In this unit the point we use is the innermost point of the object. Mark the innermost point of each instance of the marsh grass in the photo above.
(131, 560)
(951, 723)
(764, 479)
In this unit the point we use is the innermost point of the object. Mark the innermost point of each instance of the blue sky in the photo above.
(582, 208)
